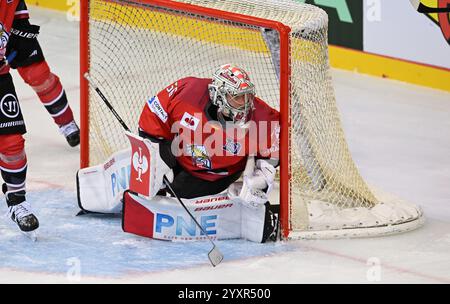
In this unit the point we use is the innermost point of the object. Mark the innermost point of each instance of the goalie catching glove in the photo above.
(258, 179)
(262, 219)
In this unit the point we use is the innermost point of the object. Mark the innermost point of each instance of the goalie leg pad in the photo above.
(252, 222)
(164, 218)
(100, 188)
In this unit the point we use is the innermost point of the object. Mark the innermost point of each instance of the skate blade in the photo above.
(32, 235)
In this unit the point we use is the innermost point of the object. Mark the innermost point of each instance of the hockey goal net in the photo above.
(134, 48)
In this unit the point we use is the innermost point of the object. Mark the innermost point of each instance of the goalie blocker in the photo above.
(103, 189)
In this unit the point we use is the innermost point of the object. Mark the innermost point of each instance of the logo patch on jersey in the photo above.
(200, 157)
(156, 107)
(232, 147)
(172, 89)
(4, 37)
(9, 106)
(189, 121)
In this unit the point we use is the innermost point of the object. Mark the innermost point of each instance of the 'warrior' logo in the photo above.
(10, 106)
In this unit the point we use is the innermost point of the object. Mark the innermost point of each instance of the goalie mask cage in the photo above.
(135, 48)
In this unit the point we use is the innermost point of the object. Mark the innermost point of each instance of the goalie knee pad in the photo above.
(49, 89)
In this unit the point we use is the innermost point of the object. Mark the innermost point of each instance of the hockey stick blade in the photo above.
(422, 8)
(215, 256)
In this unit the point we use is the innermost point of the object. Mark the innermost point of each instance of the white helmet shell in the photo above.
(233, 93)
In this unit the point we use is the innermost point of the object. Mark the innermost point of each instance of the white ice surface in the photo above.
(399, 135)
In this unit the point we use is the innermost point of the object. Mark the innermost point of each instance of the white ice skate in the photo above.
(71, 132)
(19, 211)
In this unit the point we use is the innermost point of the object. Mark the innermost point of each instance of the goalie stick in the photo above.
(214, 255)
(422, 8)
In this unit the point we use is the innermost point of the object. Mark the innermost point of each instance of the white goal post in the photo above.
(134, 48)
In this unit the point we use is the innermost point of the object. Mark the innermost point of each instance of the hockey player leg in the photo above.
(13, 166)
(31, 65)
(13, 161)
(52, 95)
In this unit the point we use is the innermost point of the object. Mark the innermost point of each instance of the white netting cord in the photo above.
(317, 133)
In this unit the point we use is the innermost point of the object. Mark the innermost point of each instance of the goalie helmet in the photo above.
(233, 93)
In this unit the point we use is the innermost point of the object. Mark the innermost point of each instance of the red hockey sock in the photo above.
(13, 160)
(49, 89)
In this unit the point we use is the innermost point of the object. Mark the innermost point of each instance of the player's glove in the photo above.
(23, 40)
(4, 37)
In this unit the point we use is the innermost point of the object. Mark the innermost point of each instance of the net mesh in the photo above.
(137, 48)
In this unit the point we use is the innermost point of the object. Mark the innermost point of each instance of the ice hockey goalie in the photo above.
(217, 144)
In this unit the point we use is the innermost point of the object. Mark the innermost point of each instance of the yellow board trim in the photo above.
(59, 5)
(341, 58)
(392, 68)
(249, 40)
